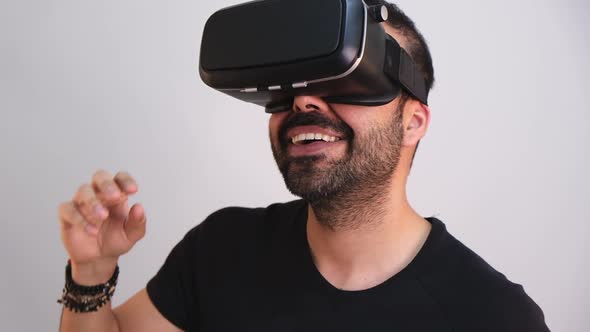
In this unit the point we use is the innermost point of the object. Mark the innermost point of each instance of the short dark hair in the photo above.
(417, 47)
(416, 44)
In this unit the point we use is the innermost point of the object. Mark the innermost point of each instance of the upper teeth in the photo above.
(313, 136)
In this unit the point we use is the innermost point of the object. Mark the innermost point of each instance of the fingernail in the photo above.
(101, 212)
(91, 229)
(109, 190)
(130, 186)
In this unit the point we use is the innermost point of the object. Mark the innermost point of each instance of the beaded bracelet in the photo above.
(80, 298)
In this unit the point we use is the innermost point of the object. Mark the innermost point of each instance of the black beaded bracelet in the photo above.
(80, 298)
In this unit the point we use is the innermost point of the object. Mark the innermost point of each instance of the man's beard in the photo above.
(361, 176)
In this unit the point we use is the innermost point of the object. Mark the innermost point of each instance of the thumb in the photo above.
(135, 224)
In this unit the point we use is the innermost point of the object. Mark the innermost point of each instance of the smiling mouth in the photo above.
(308, 138)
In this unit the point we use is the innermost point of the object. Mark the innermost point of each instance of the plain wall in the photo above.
(114, 85)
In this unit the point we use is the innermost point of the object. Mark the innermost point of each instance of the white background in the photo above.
(113, 84)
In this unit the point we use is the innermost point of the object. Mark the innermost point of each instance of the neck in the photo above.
(360, 240)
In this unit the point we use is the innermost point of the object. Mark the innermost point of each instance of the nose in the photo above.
(309, 104)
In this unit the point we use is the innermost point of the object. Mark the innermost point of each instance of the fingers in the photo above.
(126, 182)
(89, 206)
(105, 197)
(97, 222)
(113, 190)
(106, 188)
(69, 217)
(135, 225)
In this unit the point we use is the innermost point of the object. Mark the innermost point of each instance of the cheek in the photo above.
(274, 124)
(357, 118)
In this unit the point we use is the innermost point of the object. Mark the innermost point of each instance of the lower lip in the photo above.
(302, 150)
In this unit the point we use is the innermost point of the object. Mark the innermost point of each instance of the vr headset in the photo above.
(269, 51)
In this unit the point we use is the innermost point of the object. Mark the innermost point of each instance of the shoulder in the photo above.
(252, 218)
(233, 225)
(472, 293)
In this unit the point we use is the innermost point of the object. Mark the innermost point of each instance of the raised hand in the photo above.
(97, 226)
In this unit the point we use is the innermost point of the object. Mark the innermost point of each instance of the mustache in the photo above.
(313, 119)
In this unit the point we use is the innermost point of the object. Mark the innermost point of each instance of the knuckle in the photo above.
(63, 211)
(123, 175)
(110, 194)
(69, 214)
(83, 188)
(88, 206)
(77, 218)
(101, 173)
(100, 176)
(103, 184)
(124, 180)
(95, 206)
(82, 194)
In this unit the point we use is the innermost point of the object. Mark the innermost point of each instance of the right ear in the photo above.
(416, 122)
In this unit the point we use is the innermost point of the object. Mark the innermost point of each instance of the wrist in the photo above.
(82, 298)
(94, 273)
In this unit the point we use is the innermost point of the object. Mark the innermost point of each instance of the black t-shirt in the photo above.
(251, 270)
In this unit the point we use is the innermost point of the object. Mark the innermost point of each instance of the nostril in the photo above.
(312, 106)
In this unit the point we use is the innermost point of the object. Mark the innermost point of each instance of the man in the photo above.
(352, 255)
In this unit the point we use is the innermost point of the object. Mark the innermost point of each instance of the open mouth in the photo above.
(308, 138)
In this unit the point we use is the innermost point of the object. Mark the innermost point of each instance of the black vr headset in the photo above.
(268, 51)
